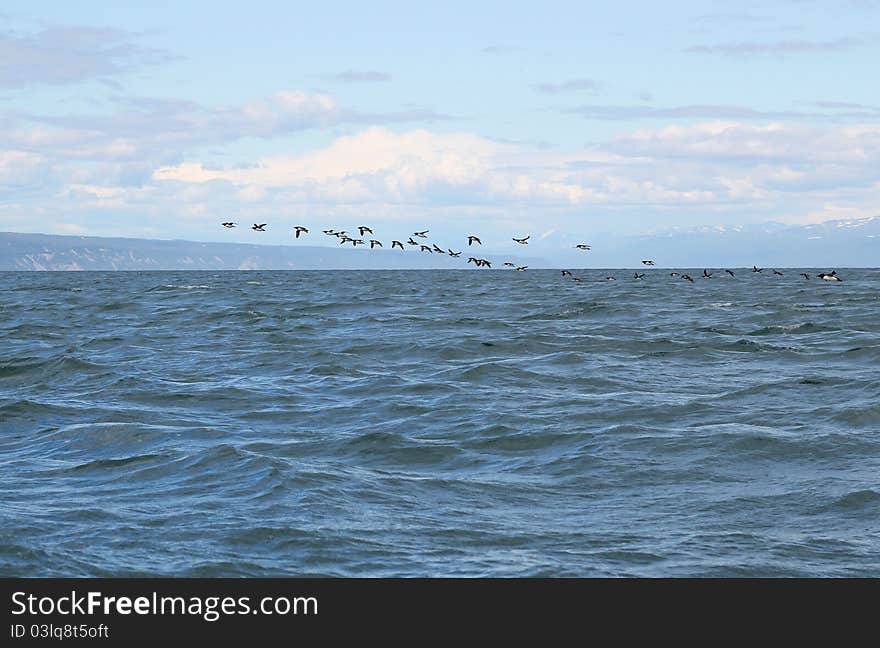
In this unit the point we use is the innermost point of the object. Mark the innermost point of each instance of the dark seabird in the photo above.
(329, 232)
(229, 225)
(674, 274)
(488, 264)
(521, 268)
(566, 273)
(610, 279)
(471, 239)
(805, 275)
(707, 274)
(345, 239)
(582, 246)
(829, 276)
(638, 276)
(426, 248)
(300, 230)
(523, 241)
(423, 234)
(439, 250)
(756, 269)
(509, 264)
(730, 272)
(410, 241)
(395, 244)
(776, 272)
(474, 259)
(357, 242)
(576, 279)
(687, 278)
(259, 228)
(374, 243)
(454, 254)
(342, 234)
(363, 228)
(648, 263)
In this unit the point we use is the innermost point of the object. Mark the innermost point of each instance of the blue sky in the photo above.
(562, 120)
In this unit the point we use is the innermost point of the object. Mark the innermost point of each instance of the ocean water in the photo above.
(439, 423)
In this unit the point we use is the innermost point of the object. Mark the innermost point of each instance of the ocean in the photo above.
(479, 423)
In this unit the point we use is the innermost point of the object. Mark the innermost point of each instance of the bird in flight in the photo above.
(423, 234)
(439, 250)
(730, 272)
(674, 274)
(687, 278)
(523, 241)
(776, 272)
(300, 230)
(757, 269)
(829, 276)
(411, 241)
(472, 239)
(638, 276)
(567, 273)
(582, 246)
(509, 264)
(259, 228)
(374, 243)
(521, 268)
(229, 225)
(364, 228)
(426, 248)
(648, 263)
(707, 274)
(395, 244)
(454, 254)
(805, 275)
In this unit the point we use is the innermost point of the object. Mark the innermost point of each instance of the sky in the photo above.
(560, 120)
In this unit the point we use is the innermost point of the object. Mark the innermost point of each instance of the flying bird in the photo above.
(423, 234)
(300, 230)
(439, 250)
(638, 276)
(471, 240)
(730, 272)
(648, 263)
(674, 274)
(757, 269)
(523, 241)
(521, 268)
(395, 244)
(364, 228)
(229, 225)
(454, 254)
(374, 243)
(259, 228)
(582, 246)
(566, 273)
(426, 248)
(509, 264)
(610, 279)
(805, 276)
(411, 242)
(829, 276)
(707, 274)
(687, 278)
(776, 272)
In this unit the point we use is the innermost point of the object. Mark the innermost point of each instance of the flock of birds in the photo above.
(433, 248)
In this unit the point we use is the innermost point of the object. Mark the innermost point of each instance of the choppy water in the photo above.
(478, 423)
